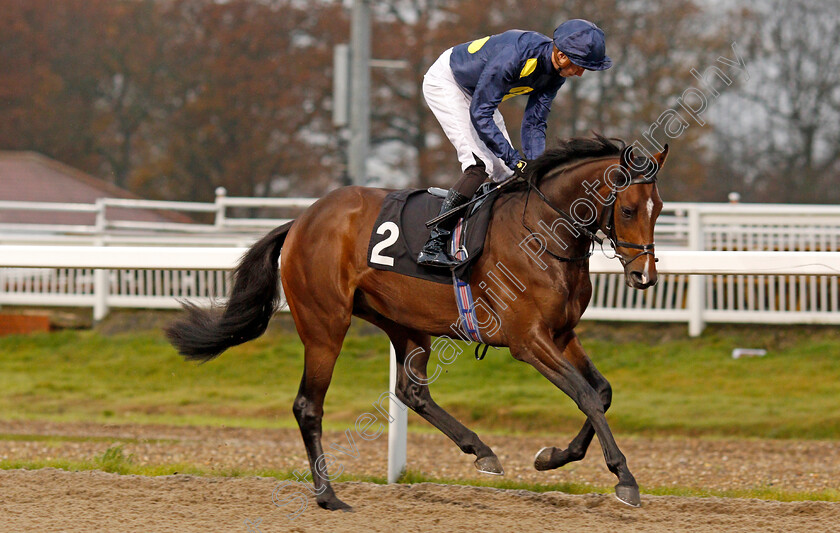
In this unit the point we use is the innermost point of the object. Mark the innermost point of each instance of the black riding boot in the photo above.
(434, 251)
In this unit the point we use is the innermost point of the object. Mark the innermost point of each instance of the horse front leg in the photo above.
(550, 457)
(541, 353)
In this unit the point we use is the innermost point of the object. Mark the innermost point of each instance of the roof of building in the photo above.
(33, 177)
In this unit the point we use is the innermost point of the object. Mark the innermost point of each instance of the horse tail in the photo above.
(203, 334)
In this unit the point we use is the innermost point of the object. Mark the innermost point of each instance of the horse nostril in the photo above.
(637, 277)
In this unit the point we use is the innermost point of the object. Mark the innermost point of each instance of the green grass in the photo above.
(56, 439)
(763, 493)
(664, 383)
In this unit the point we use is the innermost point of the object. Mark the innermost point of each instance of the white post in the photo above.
(696, 284)
(397, 429)
(219, 221)
(100, 290)
(101, 276)
(101, 222)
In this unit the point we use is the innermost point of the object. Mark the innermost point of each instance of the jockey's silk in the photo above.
(450, 104)
(498, 67)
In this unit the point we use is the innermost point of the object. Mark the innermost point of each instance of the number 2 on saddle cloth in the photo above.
(400, 232)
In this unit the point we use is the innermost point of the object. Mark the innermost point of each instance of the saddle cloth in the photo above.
(400, 232)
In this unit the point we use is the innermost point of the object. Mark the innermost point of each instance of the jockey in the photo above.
(465, 86)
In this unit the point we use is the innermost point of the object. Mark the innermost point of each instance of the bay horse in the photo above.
(327, 280)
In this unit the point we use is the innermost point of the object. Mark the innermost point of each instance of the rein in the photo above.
(569, 218)
(646, 249)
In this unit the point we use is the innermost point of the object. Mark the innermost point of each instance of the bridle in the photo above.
(645, 178)
(646, 249)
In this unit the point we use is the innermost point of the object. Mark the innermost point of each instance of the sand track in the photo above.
(55, 500)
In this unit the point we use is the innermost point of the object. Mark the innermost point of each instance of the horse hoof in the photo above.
(334, 504)
(490, 465)
(542, 461)
(550, 458)
(628, 495)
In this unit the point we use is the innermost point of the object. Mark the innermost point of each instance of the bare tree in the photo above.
(781, 140)
(415, 31)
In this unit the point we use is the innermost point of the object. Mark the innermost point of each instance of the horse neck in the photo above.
(565, 186)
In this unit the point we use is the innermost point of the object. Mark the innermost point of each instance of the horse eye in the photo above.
(627, 212)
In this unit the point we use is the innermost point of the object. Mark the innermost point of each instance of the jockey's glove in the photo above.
(520, 170)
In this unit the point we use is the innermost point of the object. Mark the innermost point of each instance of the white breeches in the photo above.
(451, 106)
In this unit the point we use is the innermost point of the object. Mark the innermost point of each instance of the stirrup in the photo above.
(441, 259)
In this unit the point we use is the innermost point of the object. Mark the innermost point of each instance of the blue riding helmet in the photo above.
(583, 43)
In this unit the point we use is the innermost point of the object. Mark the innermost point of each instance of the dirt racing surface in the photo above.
(55, 500)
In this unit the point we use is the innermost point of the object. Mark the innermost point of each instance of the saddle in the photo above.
(400, 233)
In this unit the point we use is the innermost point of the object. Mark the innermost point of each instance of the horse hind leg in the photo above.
(412, 349)
(321, 346)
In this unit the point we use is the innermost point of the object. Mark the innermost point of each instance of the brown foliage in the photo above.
(173, 98)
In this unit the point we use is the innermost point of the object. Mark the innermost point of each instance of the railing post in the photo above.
(221, 193)
(100, 293)
(397, 429)
(101, 223)
(697, 283)
(100, 278)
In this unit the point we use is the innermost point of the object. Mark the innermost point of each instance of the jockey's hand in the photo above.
(520, 171)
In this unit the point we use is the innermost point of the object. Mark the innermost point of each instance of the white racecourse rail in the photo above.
(774, 298)
(674, 262)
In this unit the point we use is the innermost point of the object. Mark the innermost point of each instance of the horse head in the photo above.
(581, 173)
(633, 215)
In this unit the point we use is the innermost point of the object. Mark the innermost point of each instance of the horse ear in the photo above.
(627, 156)
(660, 157)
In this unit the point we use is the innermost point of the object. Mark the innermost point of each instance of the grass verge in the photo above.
(664, 383)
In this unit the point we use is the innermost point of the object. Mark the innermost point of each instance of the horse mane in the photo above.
(572, 150)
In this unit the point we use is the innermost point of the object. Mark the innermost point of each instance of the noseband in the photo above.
(646, 178)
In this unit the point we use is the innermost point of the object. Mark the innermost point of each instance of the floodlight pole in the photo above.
(360, 91)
